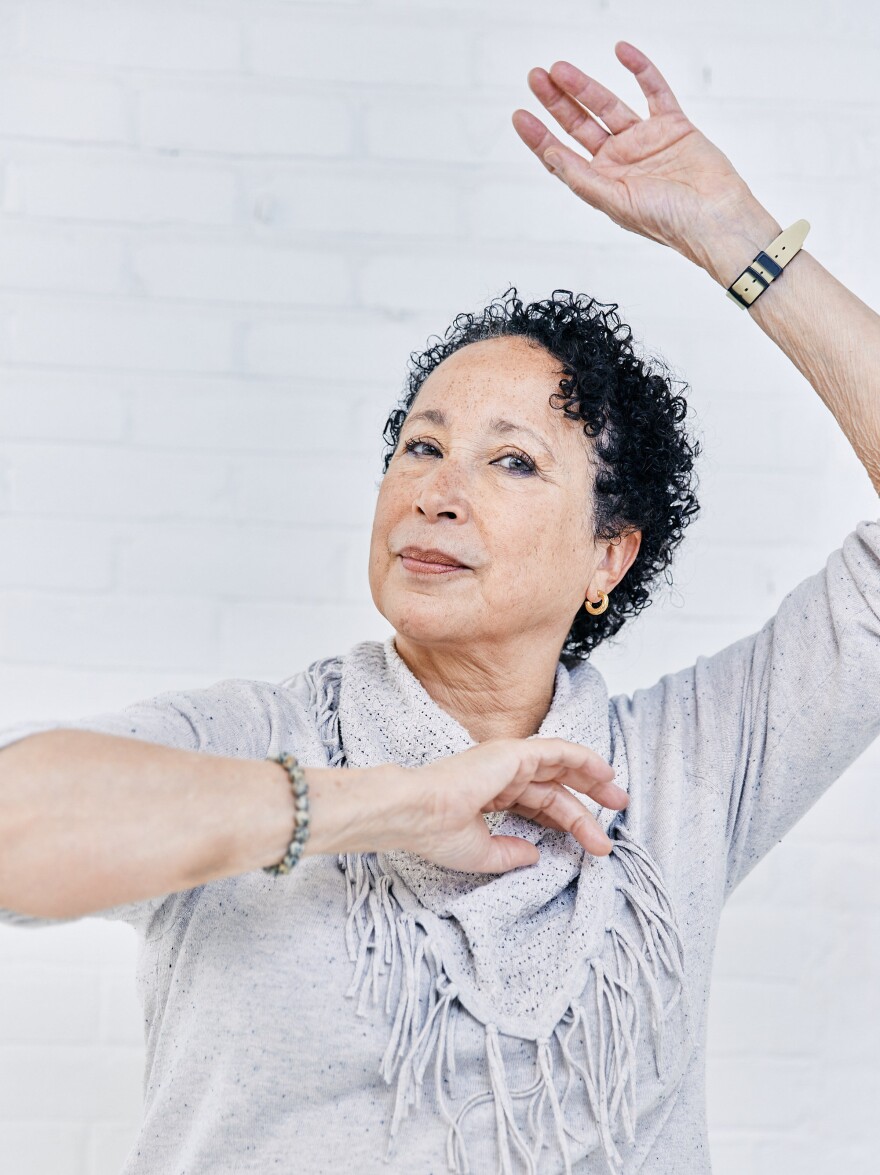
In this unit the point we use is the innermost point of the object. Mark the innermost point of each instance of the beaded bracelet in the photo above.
(301, 824)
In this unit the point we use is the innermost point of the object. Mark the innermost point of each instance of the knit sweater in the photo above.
(261, 1050)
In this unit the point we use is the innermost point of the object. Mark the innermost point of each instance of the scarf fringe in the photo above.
(384, 939)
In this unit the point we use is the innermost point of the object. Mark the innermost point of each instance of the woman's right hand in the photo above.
(659, 177)
(528, 776)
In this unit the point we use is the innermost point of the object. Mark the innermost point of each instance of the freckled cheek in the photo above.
(396, 498)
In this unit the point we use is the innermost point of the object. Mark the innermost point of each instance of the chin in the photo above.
(422, 626)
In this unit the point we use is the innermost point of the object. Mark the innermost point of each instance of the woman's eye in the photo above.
(410, 445)
(526, 465)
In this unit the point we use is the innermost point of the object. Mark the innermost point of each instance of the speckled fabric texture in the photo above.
(271, 1006)
(581, 955)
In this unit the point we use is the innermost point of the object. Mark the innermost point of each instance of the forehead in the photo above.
(503, 357)
(503, 372)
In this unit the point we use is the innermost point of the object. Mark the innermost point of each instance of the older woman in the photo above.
(489, 956)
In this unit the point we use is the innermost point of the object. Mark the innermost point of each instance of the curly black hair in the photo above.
(644, 458)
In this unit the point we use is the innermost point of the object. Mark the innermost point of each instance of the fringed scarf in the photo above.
(578, 948)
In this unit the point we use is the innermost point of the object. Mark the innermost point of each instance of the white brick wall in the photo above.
(223, 228)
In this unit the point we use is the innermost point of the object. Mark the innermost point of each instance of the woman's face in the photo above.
(468, 488)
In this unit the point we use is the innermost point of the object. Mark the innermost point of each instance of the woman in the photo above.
(489, 956)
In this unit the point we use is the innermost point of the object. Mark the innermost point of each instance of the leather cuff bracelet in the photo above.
(768, 265)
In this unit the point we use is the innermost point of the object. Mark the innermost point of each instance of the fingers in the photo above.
(570, 95)
(570, 115)
(652, 83)
(535, 135)
(526, 775)
(553, 807)
(579, 767)
(615, 113)
(571, 168)
(540, 789)
(508, 852)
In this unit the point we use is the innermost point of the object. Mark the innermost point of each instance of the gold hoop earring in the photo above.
(603, 604)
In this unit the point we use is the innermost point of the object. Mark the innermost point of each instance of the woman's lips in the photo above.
(419, 566)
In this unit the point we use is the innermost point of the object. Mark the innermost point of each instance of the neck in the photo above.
(502, 696)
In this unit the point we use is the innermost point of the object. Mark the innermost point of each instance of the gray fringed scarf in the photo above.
(577, 948)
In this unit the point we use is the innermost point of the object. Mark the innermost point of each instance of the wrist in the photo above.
(733, 238)
(356, 809)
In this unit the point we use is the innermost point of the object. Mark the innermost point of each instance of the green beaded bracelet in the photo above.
(301, 825)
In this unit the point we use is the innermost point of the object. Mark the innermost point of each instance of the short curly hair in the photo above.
(645, 477)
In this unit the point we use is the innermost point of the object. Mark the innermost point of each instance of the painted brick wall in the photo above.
(223, 228)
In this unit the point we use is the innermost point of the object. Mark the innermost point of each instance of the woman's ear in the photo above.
(619, 556)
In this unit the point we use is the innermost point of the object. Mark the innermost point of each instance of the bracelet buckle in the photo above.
(768, 264)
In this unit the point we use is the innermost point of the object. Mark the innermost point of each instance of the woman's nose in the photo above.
(443, 489)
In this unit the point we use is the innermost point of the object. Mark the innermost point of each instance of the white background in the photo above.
(223, 228)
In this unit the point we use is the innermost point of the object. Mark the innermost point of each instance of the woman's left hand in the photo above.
(659, 177)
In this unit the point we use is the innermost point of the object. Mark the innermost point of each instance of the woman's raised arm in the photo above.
(662, 178)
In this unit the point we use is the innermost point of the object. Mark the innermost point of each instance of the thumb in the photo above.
(581, 177)
(509, 852)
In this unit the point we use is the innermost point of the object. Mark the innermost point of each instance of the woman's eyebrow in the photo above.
(497, 425)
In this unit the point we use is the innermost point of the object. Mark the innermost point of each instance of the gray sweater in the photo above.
(256, 1059)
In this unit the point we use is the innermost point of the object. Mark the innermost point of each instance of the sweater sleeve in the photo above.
(233, 717)
(762, 728)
